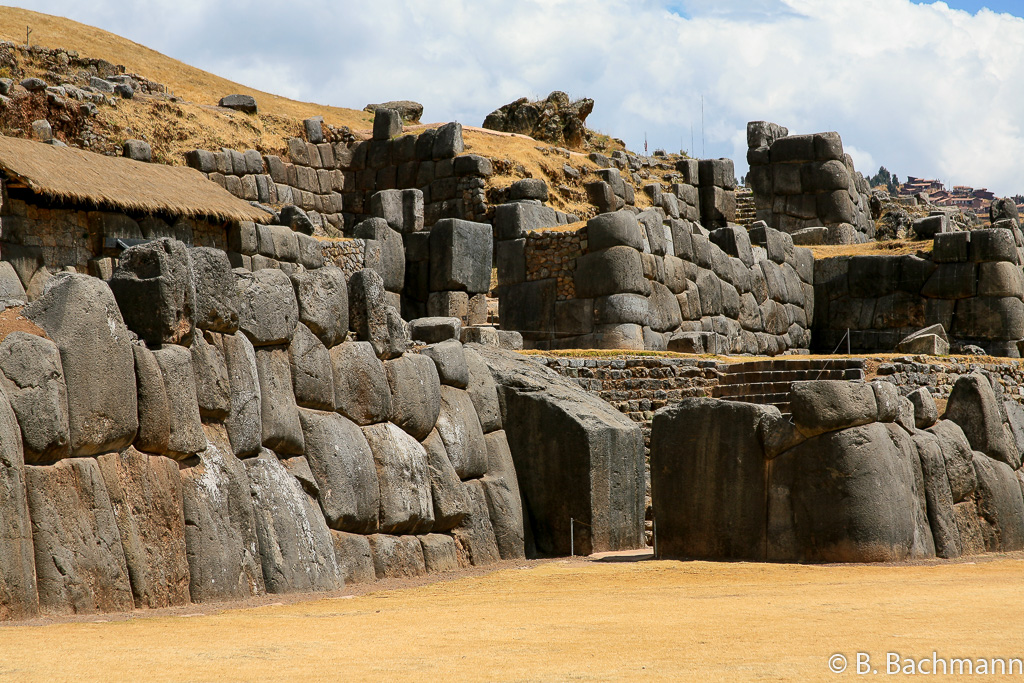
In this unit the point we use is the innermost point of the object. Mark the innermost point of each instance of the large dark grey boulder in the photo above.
(475, 535)
(483, 391)
(956, 450)
(926, 413)
(450, 359)
(576, 457)
(80, 564)
(446, 490)
(361, 390)
(216, 298)
(213, 387)
(435, 330)
(384, 252)
(440, 554)
(278, 411)
(267, 308)
(296, 548)
(973, 405)
(311, 370)
(155, 291)
(614, 229)
(220, 525)
(355, 560)
(244, 423)
(322, 296)
(820, 406)
(401, 461)
(343, 466)
(368, 314)
(1000, 505)
(460, 256)
(397, 556)
(709, 480)
(941, 515)
(80, 315)
(615, 270)
(18, 597)
(459, 428)
(242, 103)
(185, 437)
(33, 380)
(146, 496)
(843, 496)
(415, 394)
(504, 503)
(154, 410)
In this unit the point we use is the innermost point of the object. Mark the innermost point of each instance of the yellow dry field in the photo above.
(563, 620)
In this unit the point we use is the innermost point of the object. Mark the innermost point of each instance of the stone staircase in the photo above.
(746, 213)
(767, 382)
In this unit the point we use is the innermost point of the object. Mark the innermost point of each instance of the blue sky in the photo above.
(926, 89)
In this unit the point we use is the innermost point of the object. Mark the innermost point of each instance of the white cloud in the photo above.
(923, 89)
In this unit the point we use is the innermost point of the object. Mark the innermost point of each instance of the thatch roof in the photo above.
(73, 175)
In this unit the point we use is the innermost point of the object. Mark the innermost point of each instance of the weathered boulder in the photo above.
(242, 103)
(941, 515)
(244, 423)
(439, 553)
(311, 370)
(154, 410)
(614, 270)
(213, 387)
(156, 292)
(409, 111)
(355, 559)
(972, 404)
(475, 535)
(343, 466)
(446, 490)
(216, 299)
(504, 503)
(384, 252)
(146, 496)
(80, 315)
(396, 556)
(267, 308)
(614, 229)
(450, 359)
(459, 428)
(555, 119)
(709, 479)
(368, 312)
(956, 450)
(33, 380)
(460, 256)
(1000, 505)
(80, 563)
(405, 502)
(926, 413)
(415, 393)
(435, 330)
(18, 597)
(278, 411)
(361, 390)
(483, 391)
(576, 457)
(220, 525)
(296, 548)
(820, 406)
(185, 437)
(322, 296)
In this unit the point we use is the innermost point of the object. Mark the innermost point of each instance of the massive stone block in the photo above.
(1000, 505)
(614, 229)
(956, 451)
(220, 525)
(155, 290)
(355, 559)
(939, 496)
(216, 298)
(185, 437)
(18, 597)
(504, 503)
(405, 502)
(146, 496)
(342, 464)
(709, 480)
(213, 386)
(460, 256)
(475, 535)
(361, 390)
(311, 370)
(384, 252)
(415, 393)
(278, 411)
(973, 405)
(830, 405)
(267, 308)
(80, 563)
(446, 490)
(244, 423)
(80, 315)
(396, 556)
(450, 359)
(483, 391)
(296, 548)
(460, 430)
(615, 270)
(322, 296)
(33, 380)
(575, 457)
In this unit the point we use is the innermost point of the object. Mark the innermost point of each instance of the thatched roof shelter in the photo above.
(73, 175)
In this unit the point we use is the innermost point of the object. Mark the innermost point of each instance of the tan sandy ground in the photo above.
(562, 620)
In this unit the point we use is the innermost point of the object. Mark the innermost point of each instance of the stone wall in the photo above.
(649, 281)
(334, 182)
(805, 181)
(186, 431)
(857, 474)
(971, 284)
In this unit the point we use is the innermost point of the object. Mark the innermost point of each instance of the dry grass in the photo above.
(563, 620)
(66, 173)
(887, 248)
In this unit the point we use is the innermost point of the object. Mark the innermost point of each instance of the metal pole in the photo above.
(572, 539)
(847, 341)
(654, 536)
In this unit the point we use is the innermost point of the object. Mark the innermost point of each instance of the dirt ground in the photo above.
(559, 620)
